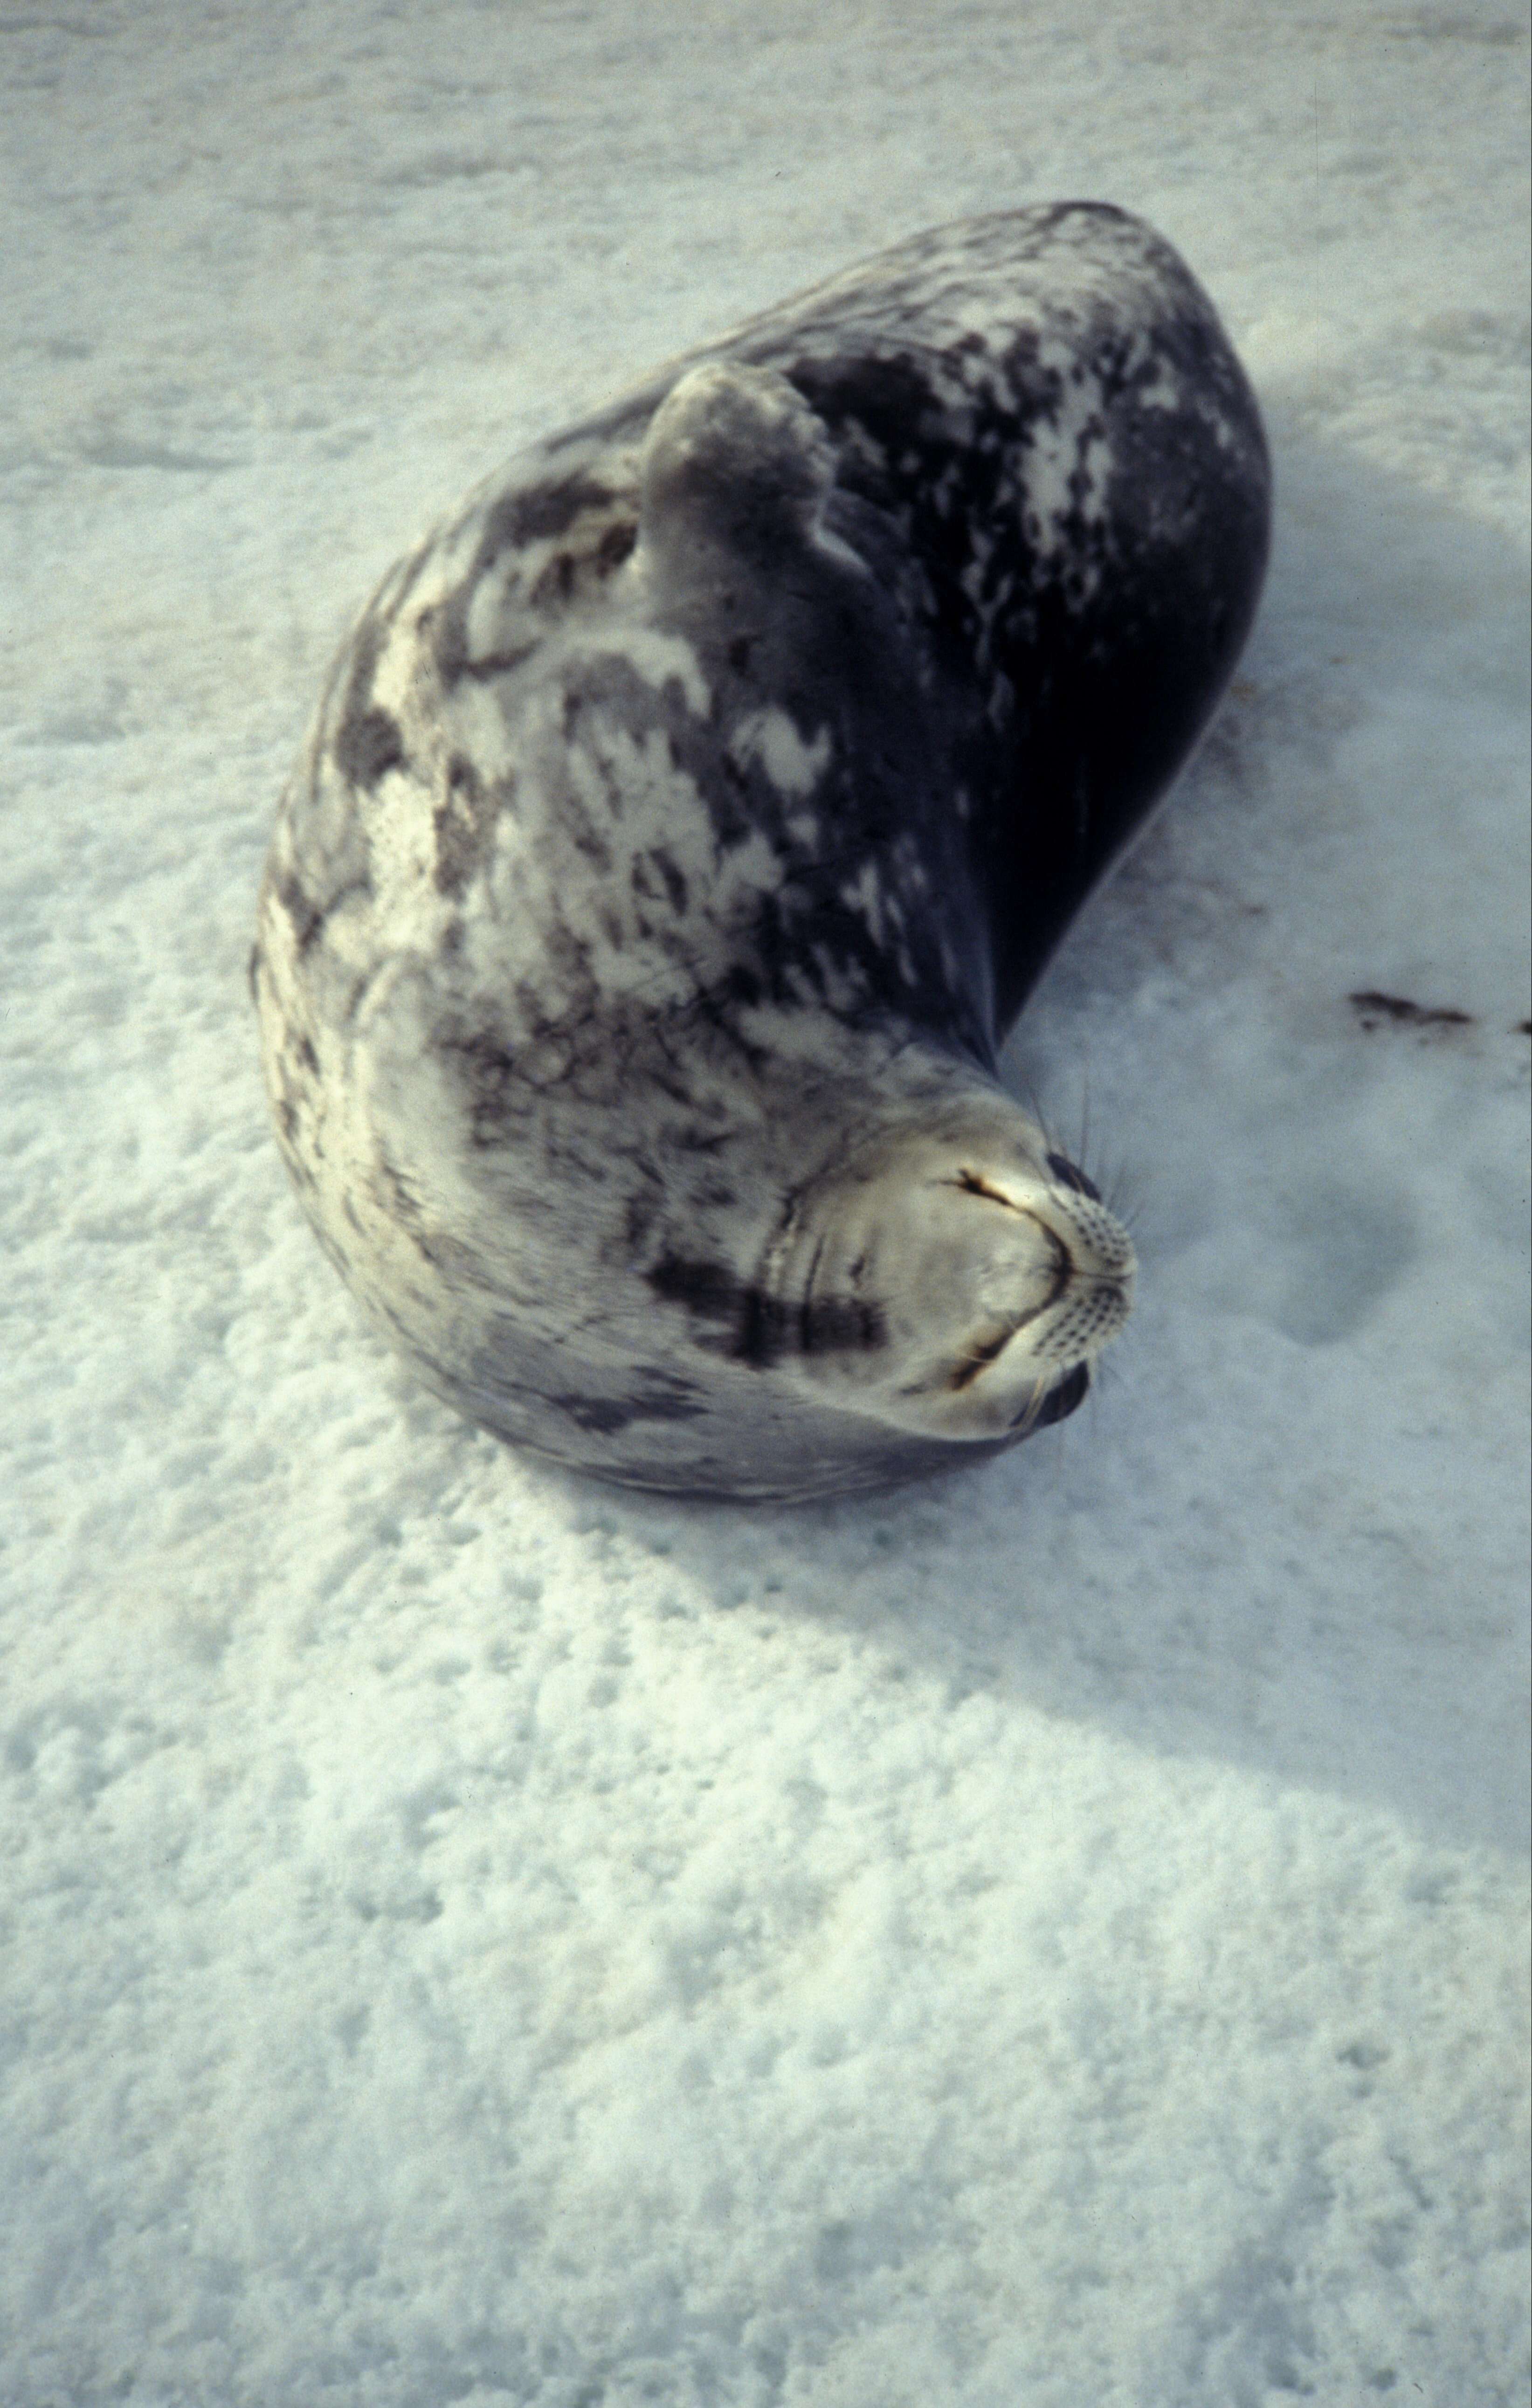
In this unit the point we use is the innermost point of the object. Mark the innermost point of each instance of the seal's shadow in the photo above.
(1209, 1619)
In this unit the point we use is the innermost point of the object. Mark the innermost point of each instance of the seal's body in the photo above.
(685, 826)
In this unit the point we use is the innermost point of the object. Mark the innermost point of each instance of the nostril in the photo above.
(1068, 1175)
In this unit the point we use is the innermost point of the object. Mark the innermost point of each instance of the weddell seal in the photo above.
(684, 827)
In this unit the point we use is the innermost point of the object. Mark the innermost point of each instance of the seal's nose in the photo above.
(1096, 1295)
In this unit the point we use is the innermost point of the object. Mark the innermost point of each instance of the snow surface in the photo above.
(1051, 1939)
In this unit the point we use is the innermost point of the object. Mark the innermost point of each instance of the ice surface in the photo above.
(1049, 1941)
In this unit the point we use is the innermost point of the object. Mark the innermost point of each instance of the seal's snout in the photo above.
(1096, 1295)
(1052, 1286)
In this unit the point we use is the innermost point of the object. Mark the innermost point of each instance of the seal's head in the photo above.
(954, 1284)
(733, 463)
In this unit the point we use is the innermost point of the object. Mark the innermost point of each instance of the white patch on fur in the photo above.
(658, 659)
(770, 737)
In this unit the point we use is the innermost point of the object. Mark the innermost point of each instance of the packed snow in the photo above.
(1050, 1939)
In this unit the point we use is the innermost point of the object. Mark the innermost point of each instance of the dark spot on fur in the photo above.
(749, 1327)
(709, 1288)
(455, 1261)
(444, 630)
(367, 745)
(601, 1414)
(556, 583)
(304, 913)
(739, 653)
(462, 821)
(441, 630)
(308, 1056)
(641, 879)
(675, 882)
(394, 1191)
(639, 1218)
(663, 1399)
(742, 985)
(308, 917)
(551, 510)
(252, 973)
(840, 1325)
(588, 840)
(614, 548)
